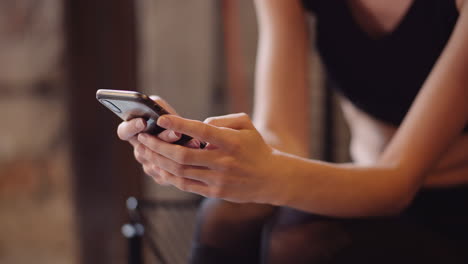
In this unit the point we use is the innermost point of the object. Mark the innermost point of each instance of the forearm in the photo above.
(448, 177)
(456, 156)
(281, 92)
(452, 168)
(340, 190)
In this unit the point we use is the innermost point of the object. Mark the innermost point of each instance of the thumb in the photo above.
(196, 129)
(235, 121)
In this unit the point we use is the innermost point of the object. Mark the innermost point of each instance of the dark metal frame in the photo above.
(139, 228)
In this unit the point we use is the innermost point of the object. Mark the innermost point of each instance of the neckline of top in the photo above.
(383, 35)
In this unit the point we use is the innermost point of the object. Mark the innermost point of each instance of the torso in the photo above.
(379, 54)
(370, 136)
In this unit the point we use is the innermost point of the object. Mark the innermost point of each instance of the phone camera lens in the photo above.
(111, 106)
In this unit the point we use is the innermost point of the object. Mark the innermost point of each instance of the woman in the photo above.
(401, 67)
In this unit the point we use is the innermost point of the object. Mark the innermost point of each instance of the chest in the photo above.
(379, 55)
(379, 17)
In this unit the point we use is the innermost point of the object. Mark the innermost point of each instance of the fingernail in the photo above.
(163, 121)
(140, 125)
(173, 135)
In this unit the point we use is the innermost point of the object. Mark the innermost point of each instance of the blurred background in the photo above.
(64, 176)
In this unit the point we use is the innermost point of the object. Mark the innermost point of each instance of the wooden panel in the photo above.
(100, 54)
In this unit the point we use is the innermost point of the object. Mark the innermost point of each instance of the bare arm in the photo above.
(281, 94)
(436, 118)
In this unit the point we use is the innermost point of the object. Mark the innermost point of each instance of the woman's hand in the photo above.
(237, 165)
(129, 130)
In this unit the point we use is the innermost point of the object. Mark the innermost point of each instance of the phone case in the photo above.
(130, 104)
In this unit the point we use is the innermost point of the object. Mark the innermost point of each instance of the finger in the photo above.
(184, 184)
(164, 104)
(180, 154)
(169, 136)
(129, 129)
(201, 174)
(196, 129)
(158, 179)
(154, 172)
(235, 121)
(133, 141)
(154, 162)
(149, 160)
(151, 170)
(140, 153)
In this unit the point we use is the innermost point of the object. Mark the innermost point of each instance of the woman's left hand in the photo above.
(237, 165)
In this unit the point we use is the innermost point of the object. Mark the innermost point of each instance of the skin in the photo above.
(265, 162)
(128, 131)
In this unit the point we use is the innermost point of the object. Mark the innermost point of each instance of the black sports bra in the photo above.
(383, 75)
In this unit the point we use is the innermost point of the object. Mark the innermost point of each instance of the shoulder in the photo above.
(460, 4)
(279, 11)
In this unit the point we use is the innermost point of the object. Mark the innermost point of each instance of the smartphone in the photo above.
(130, 104)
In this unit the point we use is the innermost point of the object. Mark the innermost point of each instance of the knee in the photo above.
(220, 212)
(304, 240)
(220, 220)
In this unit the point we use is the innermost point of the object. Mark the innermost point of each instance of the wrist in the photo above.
(280, 179)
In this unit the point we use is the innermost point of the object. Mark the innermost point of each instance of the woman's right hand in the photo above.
(129, 130)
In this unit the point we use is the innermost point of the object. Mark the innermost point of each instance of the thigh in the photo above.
(293, 236)
(298, 237)
(228, 232)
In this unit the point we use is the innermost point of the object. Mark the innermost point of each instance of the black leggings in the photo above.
(434, 229)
